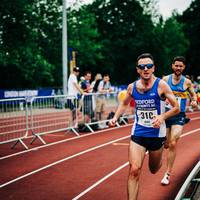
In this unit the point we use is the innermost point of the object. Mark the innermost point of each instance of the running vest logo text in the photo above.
(145, 103)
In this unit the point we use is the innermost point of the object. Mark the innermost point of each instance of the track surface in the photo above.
(93, 166)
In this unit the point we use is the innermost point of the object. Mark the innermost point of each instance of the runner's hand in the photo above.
(157, 121)
(194, 104)
(112, 122)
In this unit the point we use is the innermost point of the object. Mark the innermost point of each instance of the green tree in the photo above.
(126, 31)
(107, 34)
(191, 19)
(22, 56)
(84, 37)
(171, 41)
(46, 21)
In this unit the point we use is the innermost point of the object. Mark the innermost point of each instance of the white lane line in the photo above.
(62, 141)
(192, 113)
(62, 160)
(120, 144)
(100, 181)
(75, 155)
(118, 169)
(68, 139)
(195, 118)
(190, 132)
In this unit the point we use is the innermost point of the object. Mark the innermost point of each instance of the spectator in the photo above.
(87, 99)
(103, 88)
(95, 83)
(73, 91)
(198, 81)
(81, 80)
(94, 89)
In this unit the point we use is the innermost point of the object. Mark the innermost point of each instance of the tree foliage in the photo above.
(107, 34)
(171, 41)
(84, 37)
(125, 32)
(21, 55)
(191, 19)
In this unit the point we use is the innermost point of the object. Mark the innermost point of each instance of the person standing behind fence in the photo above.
(87, 98)
(95, 83)
(73, 91)
(94, 89)
(103, 88)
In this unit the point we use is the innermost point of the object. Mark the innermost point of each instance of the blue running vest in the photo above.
(179, 92)
(148, 105)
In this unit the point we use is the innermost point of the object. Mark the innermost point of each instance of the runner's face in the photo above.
(147, 72)
(178, 68)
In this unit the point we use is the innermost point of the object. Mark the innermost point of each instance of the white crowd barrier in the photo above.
(189, 180)
(51, 114)
(36, 116)
(98, 108)
(13, 121)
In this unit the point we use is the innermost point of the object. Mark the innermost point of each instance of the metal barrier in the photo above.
(187, 182)
(51, 114)
(38, 116)
(13, 121)
(98, 108)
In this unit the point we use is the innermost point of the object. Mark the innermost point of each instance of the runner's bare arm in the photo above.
(167, 92)
(164, 90)
(123, 105)
(192, 93)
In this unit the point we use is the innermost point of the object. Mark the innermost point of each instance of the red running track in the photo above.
(65, 170)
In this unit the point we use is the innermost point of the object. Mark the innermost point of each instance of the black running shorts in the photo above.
(149, 143)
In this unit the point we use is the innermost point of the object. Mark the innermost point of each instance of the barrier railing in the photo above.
(13, 121)
(53, 114)
(37, 116)
(187, 182)
(99, 108)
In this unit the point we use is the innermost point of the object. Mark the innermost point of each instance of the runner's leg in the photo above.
(136, 158)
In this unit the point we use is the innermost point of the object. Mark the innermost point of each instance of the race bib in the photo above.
(145, 118)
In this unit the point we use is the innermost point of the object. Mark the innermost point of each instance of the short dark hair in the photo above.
(105, 75)
(87, 72)
(180, 59)
(144, 55)
(76, 69)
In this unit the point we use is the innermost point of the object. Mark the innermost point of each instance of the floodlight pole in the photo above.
(64, 47)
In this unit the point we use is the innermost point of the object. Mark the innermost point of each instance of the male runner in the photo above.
(180, 85)
(149, 131)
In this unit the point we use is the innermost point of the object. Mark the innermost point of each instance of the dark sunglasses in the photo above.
(142, 66)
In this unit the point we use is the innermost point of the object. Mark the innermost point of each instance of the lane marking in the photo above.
(66, 140)
(116, 170)
(120, 144)
(190, 132)
(101, 180)
(60, 161)
(62, 141)
(73, 156)
(191, 113)
(195, 118)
